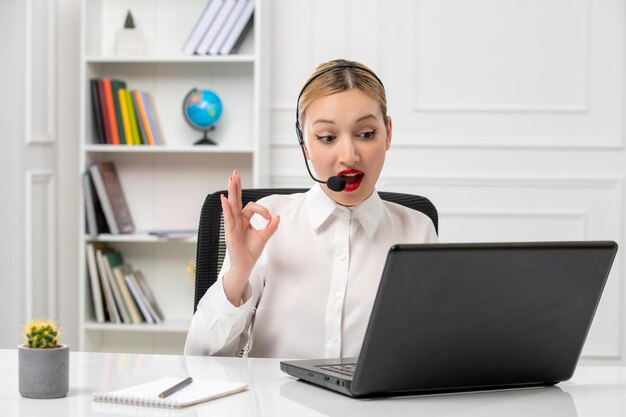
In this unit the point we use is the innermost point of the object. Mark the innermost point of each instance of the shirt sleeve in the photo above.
(218, 327)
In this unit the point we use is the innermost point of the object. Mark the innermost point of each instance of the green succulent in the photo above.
(41, 334)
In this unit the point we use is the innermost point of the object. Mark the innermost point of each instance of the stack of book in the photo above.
(122, 116)
(120, 294)
(106, 210)
(220, 28)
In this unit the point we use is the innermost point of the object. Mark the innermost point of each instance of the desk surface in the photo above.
(593, 391)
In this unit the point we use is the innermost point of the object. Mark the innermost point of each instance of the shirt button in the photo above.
(334, 339)
(342, 256)
(338, 294)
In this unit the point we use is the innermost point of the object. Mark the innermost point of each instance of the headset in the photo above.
(334, 183)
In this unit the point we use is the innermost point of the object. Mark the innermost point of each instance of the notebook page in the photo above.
(147, 394)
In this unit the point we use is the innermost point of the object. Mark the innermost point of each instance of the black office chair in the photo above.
(211, 248)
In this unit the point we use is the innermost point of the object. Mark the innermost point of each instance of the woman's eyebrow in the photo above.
(360, 119)
(369, 116)
(324, 121)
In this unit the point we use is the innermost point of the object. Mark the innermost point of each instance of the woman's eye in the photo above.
(368, 135)
(326, 139)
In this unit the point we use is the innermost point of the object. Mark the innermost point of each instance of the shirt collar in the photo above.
(320, 207)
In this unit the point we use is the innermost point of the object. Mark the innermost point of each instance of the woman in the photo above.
(303, 285)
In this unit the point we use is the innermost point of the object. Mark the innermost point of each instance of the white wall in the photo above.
(508, 115)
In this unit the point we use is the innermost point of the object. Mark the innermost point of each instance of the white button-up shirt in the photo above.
(311, 292)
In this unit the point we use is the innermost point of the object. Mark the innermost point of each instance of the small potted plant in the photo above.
(43, 362)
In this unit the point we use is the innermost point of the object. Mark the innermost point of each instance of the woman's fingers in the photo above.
(253, 208)
(227, 213)
(270, 229)
(239, 190)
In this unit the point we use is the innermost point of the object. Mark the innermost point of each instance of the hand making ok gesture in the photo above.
(244, 243)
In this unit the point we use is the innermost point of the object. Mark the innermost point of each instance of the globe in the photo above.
(202, 109)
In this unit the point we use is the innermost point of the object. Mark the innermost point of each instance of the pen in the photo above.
(182, 384)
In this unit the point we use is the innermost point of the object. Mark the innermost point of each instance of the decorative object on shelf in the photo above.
(129, 40)
(202, 109)
(43, 362)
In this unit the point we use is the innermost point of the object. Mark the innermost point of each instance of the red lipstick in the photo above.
(353, 178)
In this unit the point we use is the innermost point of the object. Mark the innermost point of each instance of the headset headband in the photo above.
(316, 76)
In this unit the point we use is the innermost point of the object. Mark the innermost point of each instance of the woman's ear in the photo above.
(388, 138)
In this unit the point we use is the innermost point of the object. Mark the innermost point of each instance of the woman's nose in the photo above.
(349, 151)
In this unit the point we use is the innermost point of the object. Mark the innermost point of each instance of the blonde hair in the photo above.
(337, 76)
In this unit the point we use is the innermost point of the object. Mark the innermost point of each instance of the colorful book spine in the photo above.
(110, 110)
(144, 116)
(103, 113)
(97, 117)
(117, 85)
(153, 120)
(125, 112)
(133, 118)
(143, 137)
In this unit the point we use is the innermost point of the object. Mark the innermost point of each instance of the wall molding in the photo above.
(580, 108)
(49, 7)
(34, 178)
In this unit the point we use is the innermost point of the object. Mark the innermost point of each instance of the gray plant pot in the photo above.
(44, 373)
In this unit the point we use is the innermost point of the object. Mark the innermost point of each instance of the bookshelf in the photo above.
(165, 185)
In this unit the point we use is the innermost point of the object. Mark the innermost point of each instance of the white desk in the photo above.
(593, 391)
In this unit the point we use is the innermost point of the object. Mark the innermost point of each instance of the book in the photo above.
(90, 210)
(112, 308)
(216, 27)
(94, 282)
(144, 117)
(140, 299)
(145, 289)
(110, 111)
(117, 85)
(143, 137)
(125, 112)
(174, 233)
(130, 304)
(101, 222)
(153, 121)
(236, 35)
(227, 27)
(111, 195)
(111, 259)
(133, 118)
(103, 113)
(202, 25)
(147, 394)
(97, 116)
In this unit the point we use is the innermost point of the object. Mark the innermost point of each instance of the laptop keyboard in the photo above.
(343, 369)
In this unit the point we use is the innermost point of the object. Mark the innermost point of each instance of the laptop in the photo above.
(472, 316)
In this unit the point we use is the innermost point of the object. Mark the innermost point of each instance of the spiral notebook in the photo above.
(148, 394)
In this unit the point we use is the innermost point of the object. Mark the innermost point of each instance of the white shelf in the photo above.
(165, 149)
(138, 238)
(176, 59)
(168, 326)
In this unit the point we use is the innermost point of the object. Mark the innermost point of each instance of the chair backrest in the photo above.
(211, 248)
